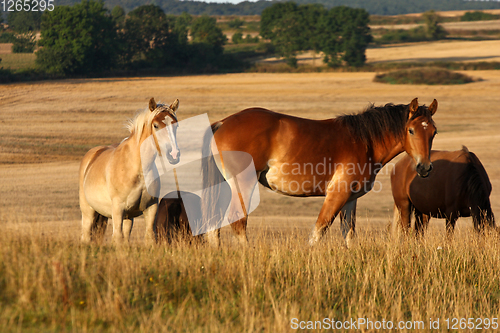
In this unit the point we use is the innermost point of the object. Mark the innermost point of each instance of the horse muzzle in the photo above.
(173, 157)
(424, 170)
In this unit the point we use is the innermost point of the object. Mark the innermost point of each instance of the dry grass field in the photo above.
(462, 51)
(474, 25)
(50, 282)
(466, 51)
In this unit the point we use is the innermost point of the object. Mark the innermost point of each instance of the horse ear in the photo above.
(413, 106)
(152, 104)
(174, 105)
(433, 107)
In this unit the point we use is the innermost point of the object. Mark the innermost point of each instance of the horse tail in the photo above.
(212, 182)
(476, 187)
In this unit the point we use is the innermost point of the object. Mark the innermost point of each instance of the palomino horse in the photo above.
(337, 158)
(458, 187)
(112, 181)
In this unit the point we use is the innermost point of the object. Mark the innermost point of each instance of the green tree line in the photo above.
(87, 38)
(341, 33)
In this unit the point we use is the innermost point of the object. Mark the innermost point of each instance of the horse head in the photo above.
(166, 118)
(419, 133)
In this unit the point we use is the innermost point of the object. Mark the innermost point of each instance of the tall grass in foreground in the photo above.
(56, 284)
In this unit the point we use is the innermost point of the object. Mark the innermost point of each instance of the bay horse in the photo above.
(458, 187)
(337, 158)
(172, 221)
(111, 177)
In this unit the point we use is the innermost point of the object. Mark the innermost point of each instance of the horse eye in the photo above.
(411, 131)
(156, 126)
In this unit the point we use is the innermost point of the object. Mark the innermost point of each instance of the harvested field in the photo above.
(50, 282)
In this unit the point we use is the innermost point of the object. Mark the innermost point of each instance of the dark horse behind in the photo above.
(458, 187)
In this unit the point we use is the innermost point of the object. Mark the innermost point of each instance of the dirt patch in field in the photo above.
(5, 48)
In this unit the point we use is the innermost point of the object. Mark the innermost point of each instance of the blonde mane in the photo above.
(143, 119)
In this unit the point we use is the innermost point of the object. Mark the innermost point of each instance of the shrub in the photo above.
(478, 16)
(433, 28)
(250, 39)
(427, 75)
(25, 43)
(7, 37)
(236, 23)
(237, 38)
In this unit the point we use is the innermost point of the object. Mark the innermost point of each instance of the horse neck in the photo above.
(153, 150)
(386, 150)
(134, 146)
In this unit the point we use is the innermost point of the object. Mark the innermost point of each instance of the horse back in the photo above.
(268, 135)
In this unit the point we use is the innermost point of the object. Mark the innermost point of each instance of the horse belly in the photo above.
(137, 201)
(99, 199)
(286, 182)
(436, 195)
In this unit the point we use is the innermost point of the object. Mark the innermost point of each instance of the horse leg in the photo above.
(213, 238)
(420, 225)
(89, 217)
(117, 216)
(127, 229)
(425, 221)
(242, 188)
(332, 205)
(150, 219)
(348, 221)
(240, 229)
(99, 228)
(450, 226)
(482, 218)
(402, 217)
(237, 212)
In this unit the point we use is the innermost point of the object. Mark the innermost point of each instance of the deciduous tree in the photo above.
(77, 40)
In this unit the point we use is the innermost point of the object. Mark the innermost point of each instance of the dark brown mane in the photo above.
(374, 123)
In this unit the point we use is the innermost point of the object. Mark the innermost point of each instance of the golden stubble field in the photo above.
(48, 281)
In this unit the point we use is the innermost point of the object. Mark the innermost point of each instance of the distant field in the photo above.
(454, 13)
(5, 48)
(17, 60)
(468, 51)
(451, 51)
(475, 25)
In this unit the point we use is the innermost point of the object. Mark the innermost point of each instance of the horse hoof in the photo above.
(350, 240)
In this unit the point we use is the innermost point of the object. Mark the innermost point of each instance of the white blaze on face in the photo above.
(425, 125)
(175, 148)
